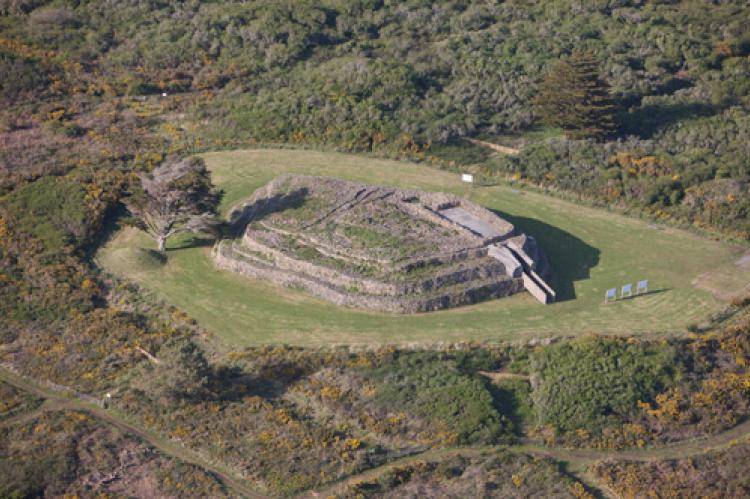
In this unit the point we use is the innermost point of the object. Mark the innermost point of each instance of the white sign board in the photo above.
(467, 177)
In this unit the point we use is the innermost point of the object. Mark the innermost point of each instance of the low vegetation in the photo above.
(84, 116)
(67, 453)
(716, 473)
(582, 384)
(504, 474)
(14, 402)
(433, 388)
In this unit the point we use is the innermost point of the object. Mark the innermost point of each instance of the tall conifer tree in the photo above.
(574, 97)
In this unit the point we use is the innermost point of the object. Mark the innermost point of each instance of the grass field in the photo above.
(590, 251)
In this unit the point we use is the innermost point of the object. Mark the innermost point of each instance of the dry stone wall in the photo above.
(375, 247)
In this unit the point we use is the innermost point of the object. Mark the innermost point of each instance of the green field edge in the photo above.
(244, 313)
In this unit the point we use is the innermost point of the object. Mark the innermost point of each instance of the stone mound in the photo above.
(379, 248)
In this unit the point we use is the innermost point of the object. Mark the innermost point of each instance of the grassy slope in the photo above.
(590, 250)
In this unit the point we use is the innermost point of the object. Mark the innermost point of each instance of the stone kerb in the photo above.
(495, 289)
(447, 269)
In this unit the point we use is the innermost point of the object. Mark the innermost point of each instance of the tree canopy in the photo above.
(176, 197)
(574, 97)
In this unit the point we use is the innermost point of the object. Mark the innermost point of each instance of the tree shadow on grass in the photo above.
(570, 258)
(242, 215)
(190, 242)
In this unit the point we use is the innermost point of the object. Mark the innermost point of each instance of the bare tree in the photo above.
(175, 197)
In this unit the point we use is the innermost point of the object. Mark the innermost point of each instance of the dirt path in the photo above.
(373, 473)
(63, 400)
(502, 375)
(577, 460)
(496, 147)
(45, 406)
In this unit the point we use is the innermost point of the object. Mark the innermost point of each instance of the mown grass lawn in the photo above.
(590, 250)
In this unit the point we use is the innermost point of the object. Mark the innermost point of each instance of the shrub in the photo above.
(432, 387)
(53, 210)
(594, 382)
(181, 373)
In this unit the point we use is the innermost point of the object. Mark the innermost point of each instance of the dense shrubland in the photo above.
(608, 393)
(581, 384)
(504, 474)
(81, 116)
(717, 473)
(410, 78)
(67, 453)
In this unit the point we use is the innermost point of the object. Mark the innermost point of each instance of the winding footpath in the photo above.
(67, 400)
(580, 459)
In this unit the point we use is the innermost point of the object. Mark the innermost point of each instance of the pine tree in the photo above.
(574, 97)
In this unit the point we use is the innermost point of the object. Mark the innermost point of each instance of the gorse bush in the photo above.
(53, 210)
(181, 373)
(584, 384)
(412, 78)
(431, 386)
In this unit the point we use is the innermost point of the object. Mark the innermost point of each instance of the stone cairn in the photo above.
(379, 248)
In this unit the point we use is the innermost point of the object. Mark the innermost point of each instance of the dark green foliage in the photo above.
(513, 400)
(478, 359)
(53, 210)
(20, 77)
(460, 152)
(431, 386)
(573, 97)
(591, 382)
(413, 78)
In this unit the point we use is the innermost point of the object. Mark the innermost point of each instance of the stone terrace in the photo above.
(380, 248)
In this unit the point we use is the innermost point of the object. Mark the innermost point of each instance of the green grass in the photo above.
(590, 250)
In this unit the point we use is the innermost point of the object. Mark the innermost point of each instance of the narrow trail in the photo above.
(45, 406)
(496, 147)
(63, 400)
(576, 460)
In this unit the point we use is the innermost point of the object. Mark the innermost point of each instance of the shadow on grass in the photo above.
(570, 258)
(190, 242)
(115, 220)
(650, 292)
(241, 216)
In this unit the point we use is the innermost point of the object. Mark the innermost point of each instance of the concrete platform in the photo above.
(472, 222)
